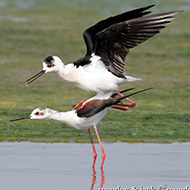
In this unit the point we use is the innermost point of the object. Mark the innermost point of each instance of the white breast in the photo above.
(95, 77)
(72, 119)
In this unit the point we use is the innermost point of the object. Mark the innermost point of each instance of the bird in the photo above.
(108, 42)
(82, 117)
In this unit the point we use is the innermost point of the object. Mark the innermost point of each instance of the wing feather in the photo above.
(94, 107)
(113, 43)
(89, 34)
(97, 106)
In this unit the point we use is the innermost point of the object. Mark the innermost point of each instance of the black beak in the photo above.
(27, 117)
(30, 80)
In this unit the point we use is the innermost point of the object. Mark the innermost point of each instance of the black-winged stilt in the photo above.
(108, 42)
(83, 116)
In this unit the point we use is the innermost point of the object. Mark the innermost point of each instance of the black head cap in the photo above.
(48, 59)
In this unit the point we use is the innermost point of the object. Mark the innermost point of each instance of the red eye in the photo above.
(37, 113)
(49, 65)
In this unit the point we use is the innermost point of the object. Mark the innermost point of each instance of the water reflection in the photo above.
(102, 181)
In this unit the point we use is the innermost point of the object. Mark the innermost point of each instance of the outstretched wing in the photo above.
(113, 43)
(90, 33)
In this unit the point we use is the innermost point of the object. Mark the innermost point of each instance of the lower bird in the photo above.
(83, 116)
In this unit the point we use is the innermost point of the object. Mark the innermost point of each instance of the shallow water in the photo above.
(56, 166)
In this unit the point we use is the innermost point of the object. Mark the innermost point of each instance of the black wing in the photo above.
(90, 33)
(113, 43)
(97, 106)
(94, 107)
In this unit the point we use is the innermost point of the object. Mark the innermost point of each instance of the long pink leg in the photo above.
(93, 148)
(100, 143)
(123, 106)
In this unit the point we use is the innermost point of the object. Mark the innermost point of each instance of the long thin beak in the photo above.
(30, 80)
(27, 117)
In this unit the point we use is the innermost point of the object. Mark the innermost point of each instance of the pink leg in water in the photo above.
(100, 143)
(93, 148)
(123, 106)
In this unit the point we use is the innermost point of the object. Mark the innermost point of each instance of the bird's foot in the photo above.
(122, 106)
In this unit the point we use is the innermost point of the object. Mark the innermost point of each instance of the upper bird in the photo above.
(108, 43)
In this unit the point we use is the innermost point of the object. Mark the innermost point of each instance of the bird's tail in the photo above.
(131, 79)
(123, 97)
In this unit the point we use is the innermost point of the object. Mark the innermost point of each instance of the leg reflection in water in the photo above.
(102, 182)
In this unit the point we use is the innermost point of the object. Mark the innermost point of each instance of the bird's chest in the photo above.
(94, 78)
(91, 77)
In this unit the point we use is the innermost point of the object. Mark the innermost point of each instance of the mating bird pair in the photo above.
(101, 69)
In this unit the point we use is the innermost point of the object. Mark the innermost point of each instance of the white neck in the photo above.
(61, 70)
(68, 72)
(59, 116)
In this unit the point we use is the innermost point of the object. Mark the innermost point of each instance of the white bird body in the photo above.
(69, 117)
(83, 115)
(92, 77)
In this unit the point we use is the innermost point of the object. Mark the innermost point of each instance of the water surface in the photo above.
(57, 166)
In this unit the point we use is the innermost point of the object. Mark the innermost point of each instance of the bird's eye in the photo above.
(49, 65)
(37, 113)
